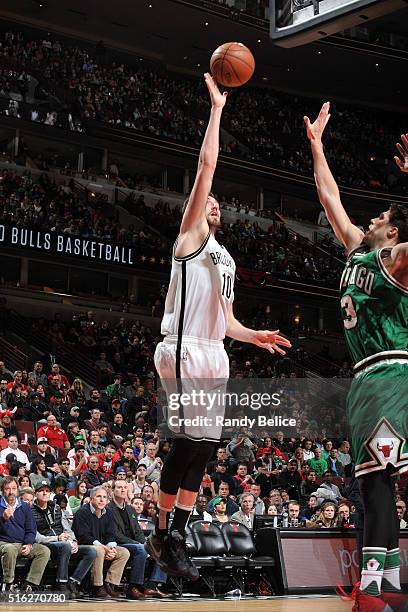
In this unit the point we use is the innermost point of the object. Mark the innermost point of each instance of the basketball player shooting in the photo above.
(198, 315)
(374, 305)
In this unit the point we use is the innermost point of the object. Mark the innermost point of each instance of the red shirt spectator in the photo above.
(107, 461)
(56, 437)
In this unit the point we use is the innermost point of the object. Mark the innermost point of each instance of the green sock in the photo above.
(391, 576)
(373, 567)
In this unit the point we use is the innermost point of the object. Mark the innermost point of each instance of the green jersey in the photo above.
(374, 306)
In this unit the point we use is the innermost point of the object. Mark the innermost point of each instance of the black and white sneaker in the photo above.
(170, 553)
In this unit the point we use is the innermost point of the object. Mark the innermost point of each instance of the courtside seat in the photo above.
(210, 546)
(190, 542)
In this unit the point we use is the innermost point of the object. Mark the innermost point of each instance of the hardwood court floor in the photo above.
(280, 604)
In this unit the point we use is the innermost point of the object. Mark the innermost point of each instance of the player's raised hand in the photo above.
(218, 99)
(402, 162)
(315, 130)
(271, 341)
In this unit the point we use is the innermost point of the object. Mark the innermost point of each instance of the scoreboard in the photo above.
(297, 22)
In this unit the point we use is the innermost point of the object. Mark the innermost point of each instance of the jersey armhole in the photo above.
(386, 274)
(192, 255)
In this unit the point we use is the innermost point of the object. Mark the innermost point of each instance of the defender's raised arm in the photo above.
(327, 188)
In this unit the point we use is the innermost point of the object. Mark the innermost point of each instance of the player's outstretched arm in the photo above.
(269, 340)
(194, 218)
(327, 188)
(402, 162)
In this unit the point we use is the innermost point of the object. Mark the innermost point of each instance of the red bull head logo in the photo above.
(386, 449)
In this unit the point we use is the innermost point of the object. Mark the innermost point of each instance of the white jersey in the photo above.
(200, 291)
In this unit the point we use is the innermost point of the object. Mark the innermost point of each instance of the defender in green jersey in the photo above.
(374, 304)
(375, 314)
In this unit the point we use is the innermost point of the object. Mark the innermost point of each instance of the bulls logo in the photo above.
(206, 527)
(386, 449)
(235, 527)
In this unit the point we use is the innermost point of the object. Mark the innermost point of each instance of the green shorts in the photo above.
(377, 410)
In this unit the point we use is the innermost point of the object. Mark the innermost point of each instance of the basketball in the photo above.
(232, 64)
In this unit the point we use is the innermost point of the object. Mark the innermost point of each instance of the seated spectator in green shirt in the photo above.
(318, 464)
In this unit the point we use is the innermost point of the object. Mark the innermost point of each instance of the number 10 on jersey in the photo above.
(226, 290)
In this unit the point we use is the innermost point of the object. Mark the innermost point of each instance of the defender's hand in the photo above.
(402, 162)
(315, 130)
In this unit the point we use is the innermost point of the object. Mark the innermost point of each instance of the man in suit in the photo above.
(130, 535)
(247, 512)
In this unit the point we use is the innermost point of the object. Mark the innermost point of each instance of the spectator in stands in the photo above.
(3, 438)
(115, 408)
(275, 498)
(6, 422)
(94, 525)
(107, 460)
(221, 475)
(95, 422)
(308, 486)
(259, 505)
(199, 509)
(77, 393)
(334, 464)
(119, 428)
(38, 374)
(106, 369)
(309, 512)
(56, 372)
(75, 501)
(5, 395)
(36, 410)
(10, 462)
(27, 495)
(94, 447)
(17, 537)
(55, 436)
(127, 460)
(318, 464)
(307, 449)
(5, 374)
(241, 448)
(93, 476)
(290, 479)
(247, 513)
(328, 491)
(61, 541)
(221, 456)
(13, 449)
(116, 389)
(326, 518)
(139, 482)
(220, 512)
(327, 446)
(279, 443)
(38, 472)
(243, 480)
(344, 514)
(94, 401)
(401, 510)
(130, 536)
(224, 492)
(152, 462)
(294, 513)
(343, 454)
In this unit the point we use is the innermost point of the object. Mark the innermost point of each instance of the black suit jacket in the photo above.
(124, 535)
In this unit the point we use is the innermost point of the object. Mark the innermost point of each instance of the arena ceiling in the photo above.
(168, 31)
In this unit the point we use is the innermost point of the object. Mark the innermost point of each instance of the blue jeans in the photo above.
(138, 558)
(62, 551)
